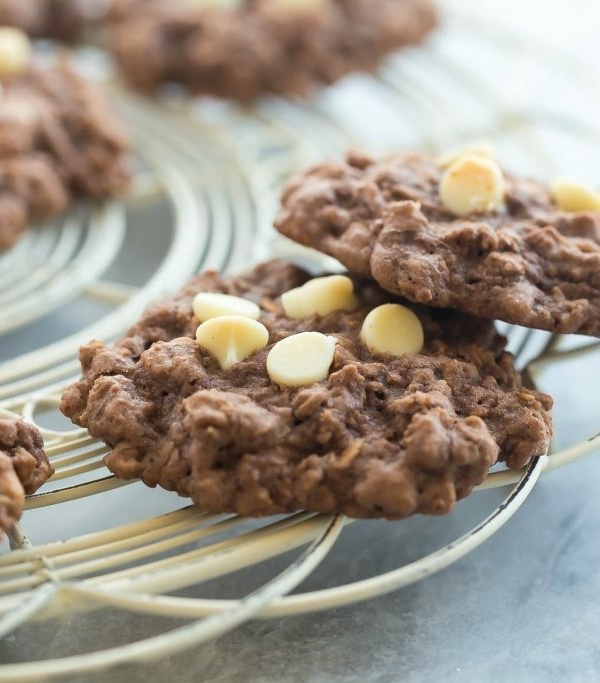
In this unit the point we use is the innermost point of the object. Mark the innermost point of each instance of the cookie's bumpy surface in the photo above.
(243, 49)
(381, 436)
(527, 262)
(24, 467)
(59, 19)
(59, 142)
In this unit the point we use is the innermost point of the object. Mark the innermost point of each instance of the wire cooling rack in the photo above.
(205, 194)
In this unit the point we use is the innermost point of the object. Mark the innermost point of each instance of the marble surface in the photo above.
(523, 607)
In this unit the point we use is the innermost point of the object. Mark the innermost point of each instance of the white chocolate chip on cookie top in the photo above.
(301, 359)
(15, 51)
(207, 305)
(472, 184)
(392, 329)
(232, 338)
(482, 149)
(320, 296)
(570, 196)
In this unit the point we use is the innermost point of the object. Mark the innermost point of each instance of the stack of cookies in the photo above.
(381, 392)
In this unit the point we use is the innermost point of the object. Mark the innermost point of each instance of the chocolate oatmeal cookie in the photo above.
(59, 142)
(458, 234)
(244, 48)
(59, 19)
(330, 396)
(24, 467)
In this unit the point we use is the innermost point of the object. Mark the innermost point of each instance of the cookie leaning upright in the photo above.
(457, 233)
(241, 49)
(59, 140)
(273, 391)
(24, 467)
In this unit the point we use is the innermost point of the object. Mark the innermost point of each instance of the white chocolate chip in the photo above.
(472, 184)
(320, 296)
(207, 305)
(571, 196)
(232, 338)
(301, 359)
(482, 149)
(15, 51)
(393, 329)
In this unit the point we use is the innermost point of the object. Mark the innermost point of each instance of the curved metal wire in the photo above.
(165, 644)
(41, 280)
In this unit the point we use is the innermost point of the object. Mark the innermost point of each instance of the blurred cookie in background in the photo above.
(241, 49)
(62, 20)
(59, 139)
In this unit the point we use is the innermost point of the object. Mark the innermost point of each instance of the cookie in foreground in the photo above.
(59, 140)
(24, 467)
(242, 49)
(457, 232)
(325, 394)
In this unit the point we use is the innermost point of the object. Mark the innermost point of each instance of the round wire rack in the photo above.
(205, 193)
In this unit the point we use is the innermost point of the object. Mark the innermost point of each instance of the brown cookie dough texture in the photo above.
(526, 262)
(24, 467)
(59, 19)
(259, 46)
(381, 436)
(59, 142)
